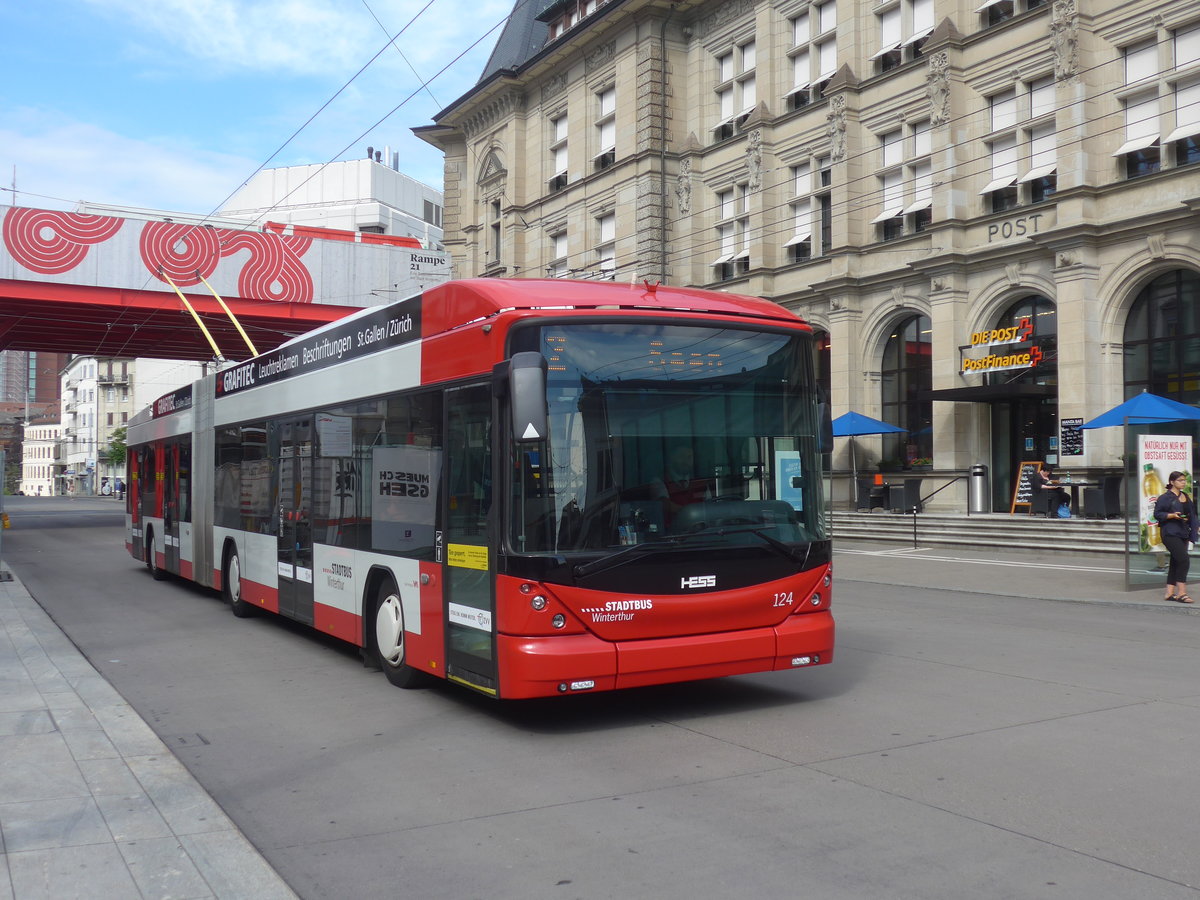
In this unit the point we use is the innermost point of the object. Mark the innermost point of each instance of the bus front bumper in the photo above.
(583, 663)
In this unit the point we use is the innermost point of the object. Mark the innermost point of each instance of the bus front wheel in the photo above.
(231, 587)
(388, 638)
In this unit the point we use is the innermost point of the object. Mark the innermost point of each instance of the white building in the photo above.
(39, 461)
(99, 397)
(78, 426)
(367, 195)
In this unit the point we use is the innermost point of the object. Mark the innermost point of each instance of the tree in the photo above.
(115, 452)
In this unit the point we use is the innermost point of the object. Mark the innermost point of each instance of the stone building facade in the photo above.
(987, 209)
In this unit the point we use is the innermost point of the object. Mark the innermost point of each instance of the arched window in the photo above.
(1162, 338)
(1043, 322)
(906, 373)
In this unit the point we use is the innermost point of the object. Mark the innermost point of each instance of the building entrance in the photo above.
(1023, 428)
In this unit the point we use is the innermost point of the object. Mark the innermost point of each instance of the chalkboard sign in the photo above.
(1023, 488)
(1072, 436)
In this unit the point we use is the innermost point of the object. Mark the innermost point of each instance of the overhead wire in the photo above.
(424, 85)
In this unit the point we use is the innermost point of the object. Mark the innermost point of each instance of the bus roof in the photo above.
(457, 302)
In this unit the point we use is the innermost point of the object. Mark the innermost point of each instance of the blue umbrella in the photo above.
(852, 423)
(1144, 409)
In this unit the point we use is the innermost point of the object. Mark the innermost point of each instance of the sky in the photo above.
(174, 104)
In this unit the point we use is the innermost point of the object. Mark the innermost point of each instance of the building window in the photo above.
(737, 90)
(825, 203)
(996, 11)
(1185, 138)
(799, 245)
(1139, 154)
(494, 227)
(606, 246)
(432, 213)
(1023, 146)
(1161, 336)
(558, 153)
(813, 53)
(606, 128)
(558, 267)
(1043, 164)
(903, 30)
(906, 373)
(733, 233)
(905, 181)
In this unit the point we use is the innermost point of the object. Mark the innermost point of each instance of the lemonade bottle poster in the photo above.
(1158, 456)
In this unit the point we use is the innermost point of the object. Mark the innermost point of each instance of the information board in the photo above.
(1072, 437)
(1023, 485)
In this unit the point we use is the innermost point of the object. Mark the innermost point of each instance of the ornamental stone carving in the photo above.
(683, 186)
(754, 162)
(502, 107)
(1064, 34)
(554, 87)
(723, 15)
(937, 87)
(599, 56)
(837, 127)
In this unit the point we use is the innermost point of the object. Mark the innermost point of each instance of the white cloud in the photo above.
(59, 162)
(318, 38)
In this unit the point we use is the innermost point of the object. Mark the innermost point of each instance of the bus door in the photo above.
(171, 507)
(468, 563)
(295, 519)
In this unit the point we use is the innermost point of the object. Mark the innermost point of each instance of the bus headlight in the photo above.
(538, 602)
(559, 620)
(815, 599)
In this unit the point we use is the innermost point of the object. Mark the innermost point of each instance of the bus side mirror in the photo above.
(826, 426)
(527, 397)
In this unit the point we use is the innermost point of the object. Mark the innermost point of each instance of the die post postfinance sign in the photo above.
(1010, 356)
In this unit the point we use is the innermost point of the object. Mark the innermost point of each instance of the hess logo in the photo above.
(692, 582)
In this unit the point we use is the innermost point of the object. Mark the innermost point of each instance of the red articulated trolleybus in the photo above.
(527, 487)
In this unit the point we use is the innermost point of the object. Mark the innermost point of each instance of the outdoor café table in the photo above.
(1075, 485)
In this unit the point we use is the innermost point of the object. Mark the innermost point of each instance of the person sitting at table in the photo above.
(1047, 487)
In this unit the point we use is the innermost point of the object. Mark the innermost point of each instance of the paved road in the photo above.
(966, 743)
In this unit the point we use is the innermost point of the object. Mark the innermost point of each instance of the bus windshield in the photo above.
(670, 434)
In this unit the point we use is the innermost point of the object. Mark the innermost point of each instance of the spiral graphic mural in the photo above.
(183, 252)
(50, 242)
(274, 270)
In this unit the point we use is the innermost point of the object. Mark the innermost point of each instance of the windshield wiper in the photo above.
(794, 554)
(620, 557)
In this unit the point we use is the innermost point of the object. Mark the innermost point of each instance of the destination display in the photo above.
(380, 329)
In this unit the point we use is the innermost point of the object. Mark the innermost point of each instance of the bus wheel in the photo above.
(231, 587)
(151, 560)
(388, 638)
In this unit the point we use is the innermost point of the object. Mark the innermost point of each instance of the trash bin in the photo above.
(978, 494)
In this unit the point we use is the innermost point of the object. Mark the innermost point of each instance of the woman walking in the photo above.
(1176, 515)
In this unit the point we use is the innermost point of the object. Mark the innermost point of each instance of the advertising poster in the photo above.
(403, 497)
(1158, 456)
(789, 478)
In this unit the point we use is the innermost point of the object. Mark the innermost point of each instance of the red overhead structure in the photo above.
(104, 322)
(107, 286)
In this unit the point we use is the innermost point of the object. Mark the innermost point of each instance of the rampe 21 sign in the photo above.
(1022, 358)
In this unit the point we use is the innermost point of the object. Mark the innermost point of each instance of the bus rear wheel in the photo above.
(387, 638)
(152, 560)
(231, 586)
